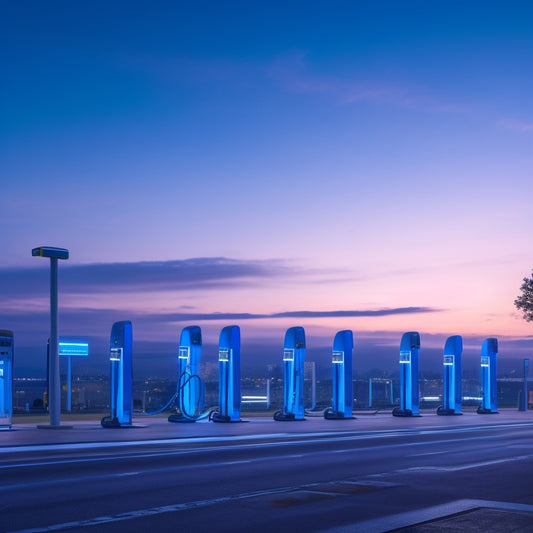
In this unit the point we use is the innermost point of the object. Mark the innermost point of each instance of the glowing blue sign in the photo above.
(73, 349)
(223, 354)
(184, 352)
(485, 361)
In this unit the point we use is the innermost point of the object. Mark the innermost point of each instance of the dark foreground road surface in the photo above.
(374, 473)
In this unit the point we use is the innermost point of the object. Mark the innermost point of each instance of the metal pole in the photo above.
(313, 389)
(525, 400)
(54, 384)
(69, 384)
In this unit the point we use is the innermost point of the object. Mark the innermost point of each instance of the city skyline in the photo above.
(362, 166)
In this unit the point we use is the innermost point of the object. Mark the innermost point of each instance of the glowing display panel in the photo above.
(405, 357)
(76, 349)
(288, 354)
(223, 354)
(449, 360)
(485, 360)
(115, 354)
(184, 352)
(337, 357)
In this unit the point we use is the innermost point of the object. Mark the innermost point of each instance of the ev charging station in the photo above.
(293, 375)
(409, 395)
(6, 379)
(453, 396)
(489, 355)
(341, 361)
(229, 376)
(190, 386)
(120, 358)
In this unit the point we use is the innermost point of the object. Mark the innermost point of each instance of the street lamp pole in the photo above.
(54, 383)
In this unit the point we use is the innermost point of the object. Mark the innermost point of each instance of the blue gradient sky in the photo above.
(369, 162)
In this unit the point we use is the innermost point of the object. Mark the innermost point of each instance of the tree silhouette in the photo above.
(524, 302)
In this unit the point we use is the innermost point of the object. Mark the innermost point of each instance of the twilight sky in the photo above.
(361, 165)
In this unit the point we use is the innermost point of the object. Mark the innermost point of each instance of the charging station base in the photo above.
(447, 412)
(403, 412)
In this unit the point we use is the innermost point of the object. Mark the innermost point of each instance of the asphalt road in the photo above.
(316, 478)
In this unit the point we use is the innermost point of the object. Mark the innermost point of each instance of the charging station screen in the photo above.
(485, 360)
(115, 354)
(223, 354)
(288, 354)
(183, 352)
(337, 357)
(448, 360)
(405, 357)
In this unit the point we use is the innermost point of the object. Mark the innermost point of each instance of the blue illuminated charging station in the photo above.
(453, 394)
(6, 379)
(341, 361)
(489, 355)
(229, 376)
(120, 358)
(190, 386)
(293, 375)
(409, 395)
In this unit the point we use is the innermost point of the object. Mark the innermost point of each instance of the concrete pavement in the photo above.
(87, 428)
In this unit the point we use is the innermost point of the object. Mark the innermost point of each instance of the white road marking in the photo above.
(141, 513)
(427, 453)
(464, 467)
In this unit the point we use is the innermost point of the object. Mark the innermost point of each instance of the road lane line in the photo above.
(465, 467)
(141, 513)
(427, 453)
